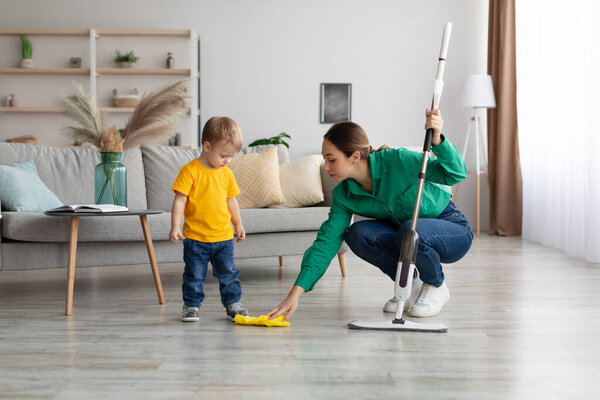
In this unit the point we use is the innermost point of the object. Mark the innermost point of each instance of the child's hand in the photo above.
(435, 122)
(241, 233)
(175, 235)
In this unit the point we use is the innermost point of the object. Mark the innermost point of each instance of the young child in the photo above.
(205, 194)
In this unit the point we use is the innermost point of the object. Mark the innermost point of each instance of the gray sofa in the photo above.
(36, 241)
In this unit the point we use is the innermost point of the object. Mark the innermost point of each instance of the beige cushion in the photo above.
(301, 182)
(257, 176)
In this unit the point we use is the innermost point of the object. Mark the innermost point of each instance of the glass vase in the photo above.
(110, 180)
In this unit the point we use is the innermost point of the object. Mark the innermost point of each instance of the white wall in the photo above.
(262, 61)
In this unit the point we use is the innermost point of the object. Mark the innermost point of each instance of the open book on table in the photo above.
(90, 208)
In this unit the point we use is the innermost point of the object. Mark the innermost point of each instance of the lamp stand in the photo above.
(480, 155)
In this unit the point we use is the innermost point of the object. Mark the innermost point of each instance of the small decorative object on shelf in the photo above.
(279, 139)
(23, 139)
(175, 140)
(151, 122)
(11, 100)
(125, 100)
(26, 51)
(125, 60)
(170, 61)
(75, 62)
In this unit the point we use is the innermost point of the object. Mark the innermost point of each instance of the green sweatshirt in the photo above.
(395, 180)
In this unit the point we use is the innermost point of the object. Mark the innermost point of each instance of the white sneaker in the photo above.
(392, 304)
(430, 301)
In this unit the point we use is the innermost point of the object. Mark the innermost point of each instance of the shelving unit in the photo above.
(189, 138)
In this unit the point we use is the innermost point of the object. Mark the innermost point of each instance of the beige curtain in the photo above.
(506, 199)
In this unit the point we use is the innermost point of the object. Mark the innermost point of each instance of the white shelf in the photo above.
(189, 135)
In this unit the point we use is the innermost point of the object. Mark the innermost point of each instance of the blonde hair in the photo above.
(217, 129)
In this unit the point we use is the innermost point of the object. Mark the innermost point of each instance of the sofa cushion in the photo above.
(257, 176)
(328, 185)
(262, 220)
(21, 189)
(161, 166)
(69, 172)
(301, 182)
(37, 227)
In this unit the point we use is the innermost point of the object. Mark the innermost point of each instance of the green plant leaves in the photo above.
(128, 57)
(26, 49)
(272, 140)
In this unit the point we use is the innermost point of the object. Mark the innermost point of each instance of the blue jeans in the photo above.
(445, 239)
(196, 256)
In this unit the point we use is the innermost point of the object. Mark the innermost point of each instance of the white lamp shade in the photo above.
(477, 91)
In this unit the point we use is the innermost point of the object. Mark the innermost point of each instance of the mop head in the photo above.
(263, 320)
(404, 326)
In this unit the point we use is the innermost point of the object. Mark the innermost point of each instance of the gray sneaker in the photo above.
(190, 314)
(235, 309)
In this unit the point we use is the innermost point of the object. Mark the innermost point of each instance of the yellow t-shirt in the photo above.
(207, 218)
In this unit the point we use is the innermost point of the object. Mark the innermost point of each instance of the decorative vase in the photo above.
(26, 63)
(110, 180)
(170, 62)
(124, 64)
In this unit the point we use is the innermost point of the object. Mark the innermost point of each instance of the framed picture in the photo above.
(336, 102)
(75, 62)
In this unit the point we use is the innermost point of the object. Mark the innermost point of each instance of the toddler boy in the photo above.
(205, 193)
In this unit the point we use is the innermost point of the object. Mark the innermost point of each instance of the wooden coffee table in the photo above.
(143, 214)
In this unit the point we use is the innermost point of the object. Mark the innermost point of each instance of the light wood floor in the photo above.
(523, 322)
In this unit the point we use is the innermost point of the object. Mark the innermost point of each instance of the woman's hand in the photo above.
(289, 305)
(435, 122)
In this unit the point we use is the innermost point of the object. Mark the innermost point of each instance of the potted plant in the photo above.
(26, 51)
(125, 60)
(279, 139)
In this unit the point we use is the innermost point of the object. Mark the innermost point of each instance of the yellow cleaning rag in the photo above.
(263, 320)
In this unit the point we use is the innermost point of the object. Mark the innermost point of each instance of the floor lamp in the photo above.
(477, 93)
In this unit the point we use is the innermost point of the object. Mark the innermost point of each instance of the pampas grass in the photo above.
(81, 108)
(151, 122)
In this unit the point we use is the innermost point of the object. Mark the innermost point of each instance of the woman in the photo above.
(382, 185)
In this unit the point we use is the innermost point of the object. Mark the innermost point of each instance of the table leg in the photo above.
(152, 257)
(71, 268)
(342, 260)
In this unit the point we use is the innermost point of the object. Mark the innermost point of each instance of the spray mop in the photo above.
(410, 241)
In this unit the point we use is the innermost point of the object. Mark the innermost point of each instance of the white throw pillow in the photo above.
(301, 182)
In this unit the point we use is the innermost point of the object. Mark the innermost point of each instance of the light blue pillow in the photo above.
(21, 189)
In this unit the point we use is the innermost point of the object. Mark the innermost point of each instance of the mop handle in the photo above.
(437, 95)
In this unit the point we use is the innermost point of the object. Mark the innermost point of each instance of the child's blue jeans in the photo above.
(443, 240)
(196, 256)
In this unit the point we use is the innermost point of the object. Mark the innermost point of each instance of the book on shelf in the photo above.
(89, 208)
